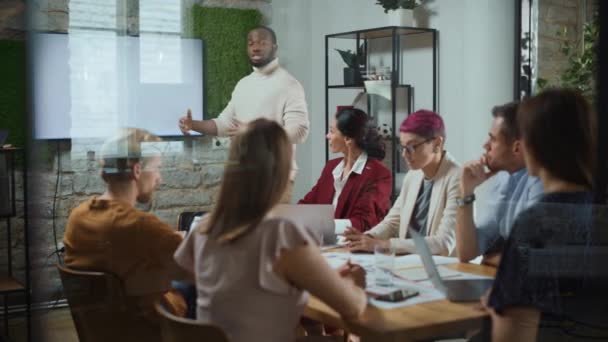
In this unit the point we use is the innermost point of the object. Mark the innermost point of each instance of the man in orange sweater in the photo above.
(107, 233)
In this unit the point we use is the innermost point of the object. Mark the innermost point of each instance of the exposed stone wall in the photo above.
(190, 183)
(553, 17)
(12, 19)
(190, 179)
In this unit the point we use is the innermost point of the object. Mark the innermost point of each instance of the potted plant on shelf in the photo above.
(355, 62)
(401, 12)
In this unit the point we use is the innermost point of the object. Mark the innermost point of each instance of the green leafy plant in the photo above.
(391, 5)
(355, 62)
(582, 67)
(350, 58)
(224, 32)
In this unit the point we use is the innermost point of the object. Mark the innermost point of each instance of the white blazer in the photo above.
(441, 220)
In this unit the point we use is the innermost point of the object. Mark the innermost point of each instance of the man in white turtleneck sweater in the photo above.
(268, 92)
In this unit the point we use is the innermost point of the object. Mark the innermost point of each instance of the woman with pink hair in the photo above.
(428, 199)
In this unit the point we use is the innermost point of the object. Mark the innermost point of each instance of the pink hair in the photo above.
(424, 123)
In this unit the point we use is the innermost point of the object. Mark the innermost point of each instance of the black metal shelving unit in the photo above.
(9, 283)
(398, 36)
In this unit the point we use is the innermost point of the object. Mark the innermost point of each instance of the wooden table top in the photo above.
(420, 321)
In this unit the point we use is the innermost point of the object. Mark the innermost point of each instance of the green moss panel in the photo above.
(13, 90)
(224, 32)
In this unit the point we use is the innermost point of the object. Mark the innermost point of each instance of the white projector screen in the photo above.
(87, 84)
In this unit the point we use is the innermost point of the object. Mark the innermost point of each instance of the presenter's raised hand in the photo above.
(185, 123)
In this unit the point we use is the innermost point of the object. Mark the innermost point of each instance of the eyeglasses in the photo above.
(411, 148)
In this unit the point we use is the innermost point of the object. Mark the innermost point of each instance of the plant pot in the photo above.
(401, 17)
(352, 77)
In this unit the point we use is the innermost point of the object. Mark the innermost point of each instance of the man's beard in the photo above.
(262, 63)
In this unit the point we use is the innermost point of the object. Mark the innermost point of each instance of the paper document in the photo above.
(418, 274)
(337, 259)
(408, 273)
(413, 260)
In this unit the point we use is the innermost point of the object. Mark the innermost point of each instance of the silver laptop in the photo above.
(318, 217)
(456, 290)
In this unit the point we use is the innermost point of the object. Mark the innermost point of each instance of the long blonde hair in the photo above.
(254, 180)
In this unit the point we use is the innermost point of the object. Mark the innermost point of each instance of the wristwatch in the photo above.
(464, 201)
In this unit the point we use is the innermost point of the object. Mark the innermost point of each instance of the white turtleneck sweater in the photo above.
(269, 92)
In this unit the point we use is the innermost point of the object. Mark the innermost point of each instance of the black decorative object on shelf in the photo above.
(355, 62)
(385, 76)
(352, 76)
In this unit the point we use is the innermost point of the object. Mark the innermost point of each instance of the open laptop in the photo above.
(456, 290)
(318, 217)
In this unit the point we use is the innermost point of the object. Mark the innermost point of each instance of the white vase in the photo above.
(401, 17)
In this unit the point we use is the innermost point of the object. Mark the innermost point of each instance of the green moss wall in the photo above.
(224, 32)
(13, 90)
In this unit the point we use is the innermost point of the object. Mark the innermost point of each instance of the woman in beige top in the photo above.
(252, 270)
(427, 201)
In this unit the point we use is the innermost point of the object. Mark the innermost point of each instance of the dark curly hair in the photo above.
(355, 124)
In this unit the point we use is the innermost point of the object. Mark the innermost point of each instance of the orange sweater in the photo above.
(112, 236)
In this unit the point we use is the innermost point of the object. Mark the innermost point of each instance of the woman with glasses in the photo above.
(358, 184)
(428, 199)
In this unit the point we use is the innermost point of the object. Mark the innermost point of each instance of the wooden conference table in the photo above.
(421, 321)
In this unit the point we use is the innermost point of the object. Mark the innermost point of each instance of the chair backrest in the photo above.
(100, 309)
(178, 329)
(184, 220)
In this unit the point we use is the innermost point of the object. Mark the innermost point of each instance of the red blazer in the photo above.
(365, 198)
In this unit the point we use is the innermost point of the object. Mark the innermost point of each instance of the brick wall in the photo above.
(554, 16)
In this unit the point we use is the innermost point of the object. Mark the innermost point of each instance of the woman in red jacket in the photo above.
(358, 184)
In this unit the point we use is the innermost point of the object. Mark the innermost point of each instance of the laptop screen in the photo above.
(318, 217)
(427, 260)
